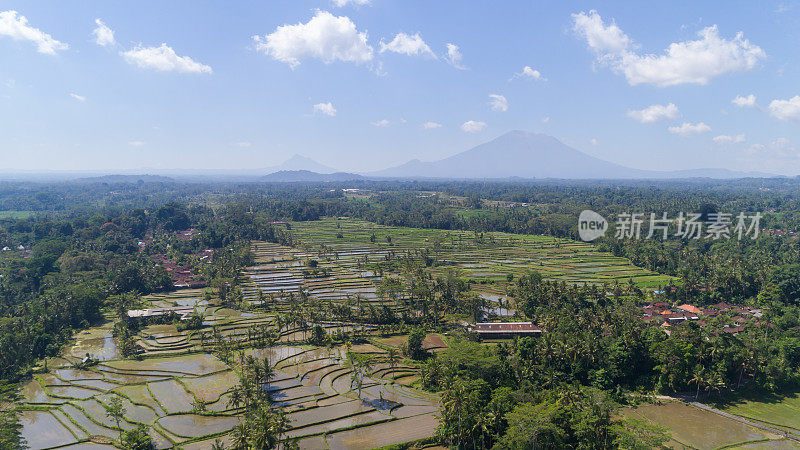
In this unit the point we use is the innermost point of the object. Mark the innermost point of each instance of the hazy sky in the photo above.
(364, 84)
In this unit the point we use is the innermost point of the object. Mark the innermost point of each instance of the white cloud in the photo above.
(726, 139)
(454, 56)
(786, 109)
(687, 129)
(341, 3)
(103, 35)
(603, 39)
(529, 73)
(472, 126)
(655, 113)
(380, 123)
(407, 45)
(688, 62)
(244, 144)
(325, 37)
(498, 102)
(325, 108)
(749, 101)
(163, 59)
(16, 27)
(77, 97)
(136, 143)
(594, 141)
(431, 125)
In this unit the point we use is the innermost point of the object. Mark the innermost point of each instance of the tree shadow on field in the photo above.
(381, 404)
(750, 395)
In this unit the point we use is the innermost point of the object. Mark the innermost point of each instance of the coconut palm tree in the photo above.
(392, 357)
(698, 379)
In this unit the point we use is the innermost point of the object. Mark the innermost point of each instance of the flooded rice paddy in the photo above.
(691, 427)
(164, 388)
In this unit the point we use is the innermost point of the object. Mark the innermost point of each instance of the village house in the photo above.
(504, 330)
(181, 276)
(734, 318)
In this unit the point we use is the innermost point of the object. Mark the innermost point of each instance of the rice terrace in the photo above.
(180, 383)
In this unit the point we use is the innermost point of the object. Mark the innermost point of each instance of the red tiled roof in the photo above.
(690, 308)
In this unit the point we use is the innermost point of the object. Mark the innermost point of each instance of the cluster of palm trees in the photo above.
(262, 425)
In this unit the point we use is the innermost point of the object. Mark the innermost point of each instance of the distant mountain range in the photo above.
(515, 155)
(287, 176)
(300, 162)
(520, 154)
(126, 179)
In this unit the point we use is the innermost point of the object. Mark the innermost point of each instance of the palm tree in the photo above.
(280, 322)
(392, 357)
(240, 435)
(267, 373)
(482, 425)
(236, 398)
(453, 404)
(698, 379)
(281, 424)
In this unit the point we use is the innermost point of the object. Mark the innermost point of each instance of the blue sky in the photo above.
(648, 85)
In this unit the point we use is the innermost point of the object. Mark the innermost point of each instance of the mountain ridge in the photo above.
(522, 154)
(293, 176)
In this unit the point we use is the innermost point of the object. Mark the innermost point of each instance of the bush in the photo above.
(137, 439)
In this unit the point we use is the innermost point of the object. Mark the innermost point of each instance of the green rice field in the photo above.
(691, 427)
(780, 411)
(485, 257)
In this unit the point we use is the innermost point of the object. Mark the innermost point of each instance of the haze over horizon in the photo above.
(364, 85)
